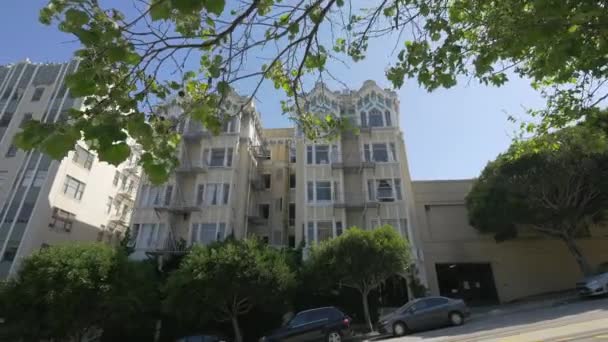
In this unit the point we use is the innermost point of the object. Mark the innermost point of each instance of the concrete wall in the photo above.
(522, 267)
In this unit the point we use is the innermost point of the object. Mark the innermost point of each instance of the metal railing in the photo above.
(355, 200)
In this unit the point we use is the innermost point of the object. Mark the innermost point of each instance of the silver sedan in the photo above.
(423, 314)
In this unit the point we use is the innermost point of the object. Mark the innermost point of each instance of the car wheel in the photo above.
(456, 318)
(334, 336)
(399, 329)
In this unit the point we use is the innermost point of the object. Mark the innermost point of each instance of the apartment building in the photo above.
(278, 185)
(44, 201)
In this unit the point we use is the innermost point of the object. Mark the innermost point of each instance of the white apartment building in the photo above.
(44, 201)
(278, 185)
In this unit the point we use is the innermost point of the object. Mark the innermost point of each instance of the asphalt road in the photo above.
(585, 320)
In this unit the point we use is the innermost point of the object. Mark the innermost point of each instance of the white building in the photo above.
(44, 201)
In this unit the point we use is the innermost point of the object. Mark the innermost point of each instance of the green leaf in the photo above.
(223, 88)
(117, 53)
(160, 10)
(188, 6)
(115, 154)
(215, 6)
(81, 84)
(59, 143)
(76, 17)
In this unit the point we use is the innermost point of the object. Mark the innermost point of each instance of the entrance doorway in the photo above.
(472, 282)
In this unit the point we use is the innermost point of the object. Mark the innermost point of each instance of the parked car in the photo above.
(423, 314)
(593, 286)
(321, 324)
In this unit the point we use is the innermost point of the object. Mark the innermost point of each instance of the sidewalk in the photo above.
(526, 304)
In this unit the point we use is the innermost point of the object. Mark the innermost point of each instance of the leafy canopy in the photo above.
(363, 259)
(556, 185)
(561, 46)
(70, 291)
(226, 280)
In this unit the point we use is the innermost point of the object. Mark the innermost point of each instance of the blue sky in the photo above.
(449, 133)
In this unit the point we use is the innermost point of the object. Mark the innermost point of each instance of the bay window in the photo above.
(219, 157)
(321, 154)
(380, 152)
(213, 193)
(384, 190)
(322, 230)
(375, 118)
(207, 233)
(322, 191)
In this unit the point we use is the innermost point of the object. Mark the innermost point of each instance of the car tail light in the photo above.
(346, 321)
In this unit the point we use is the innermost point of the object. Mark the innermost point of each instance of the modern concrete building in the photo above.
(460, 262)
(44, 201)
(278, 185)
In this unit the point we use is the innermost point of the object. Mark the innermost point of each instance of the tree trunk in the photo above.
(582, 262)
(237, 329)
(368, 318)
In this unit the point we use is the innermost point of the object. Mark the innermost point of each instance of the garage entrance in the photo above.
(472, 282)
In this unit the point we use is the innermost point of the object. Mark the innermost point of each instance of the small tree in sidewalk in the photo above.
(226, 280)
(362, 260)
(555, 185)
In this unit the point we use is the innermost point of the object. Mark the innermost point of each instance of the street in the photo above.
(585, 320)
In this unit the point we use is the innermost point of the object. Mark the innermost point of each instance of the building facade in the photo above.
(461, 262)
(43, 201)
(278, 185)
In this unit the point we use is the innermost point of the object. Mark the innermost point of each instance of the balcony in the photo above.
(178, 207)
(125, 193)
(187, 167)
(194, 132)
(355, 201)
(119, 219)
(338, 161)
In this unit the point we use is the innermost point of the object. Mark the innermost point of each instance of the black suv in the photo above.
(322, 324)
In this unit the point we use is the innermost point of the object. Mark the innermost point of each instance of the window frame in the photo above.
(77, 185)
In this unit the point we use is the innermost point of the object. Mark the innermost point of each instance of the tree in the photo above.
(362, 260)
(226, 280)
(196, 50)
(555, 185)
(73, 292)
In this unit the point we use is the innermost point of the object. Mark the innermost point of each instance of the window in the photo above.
(339, 229)
(73, 187)
(264, 211)
(363, 119)
(436, 301)
(292, 214)
(116, 178)
(321, 154)
(168, 194)
(382, 189)
(149, 235)
(387, 118)
(11, 152)
(310, 233)
(216, 193)
(292, 181)
(62, 220)
(420, 305)
(230, 125)
(324, 230)
(83, 157)
(393, 151)
(109, 204)
(292, 154)
(266, 179)
(219, 157)
(200, 190)
(375, 118)
(321, 191)
(207, 233)
(37, 94)
(379, 153)
(6, 119)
